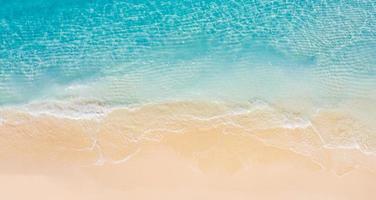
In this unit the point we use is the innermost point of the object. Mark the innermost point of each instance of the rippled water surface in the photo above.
(139, 51)
(103, 75)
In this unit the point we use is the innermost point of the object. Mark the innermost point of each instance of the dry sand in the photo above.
(176, 152)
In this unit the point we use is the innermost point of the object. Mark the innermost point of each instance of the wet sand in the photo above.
(180, 151)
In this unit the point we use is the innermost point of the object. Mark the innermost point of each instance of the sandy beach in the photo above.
(201, 152)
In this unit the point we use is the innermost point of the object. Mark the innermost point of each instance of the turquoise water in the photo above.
(123, 52)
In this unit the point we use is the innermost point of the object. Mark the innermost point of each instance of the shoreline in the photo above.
(184, 150)
(193, 166)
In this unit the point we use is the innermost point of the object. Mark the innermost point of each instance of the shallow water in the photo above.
(137, 51)
(227, 85)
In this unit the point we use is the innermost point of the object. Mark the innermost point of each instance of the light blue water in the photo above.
(141, 51)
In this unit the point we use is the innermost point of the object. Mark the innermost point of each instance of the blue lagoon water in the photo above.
(304, 70)
(122, 52)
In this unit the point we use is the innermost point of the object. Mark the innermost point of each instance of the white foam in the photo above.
(78, 109)
(350, 146)
(295, 123)
(126, 158)
(2, 120)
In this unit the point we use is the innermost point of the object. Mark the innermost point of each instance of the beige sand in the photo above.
(178, 151)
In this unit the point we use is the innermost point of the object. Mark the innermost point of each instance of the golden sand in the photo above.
(182, 151)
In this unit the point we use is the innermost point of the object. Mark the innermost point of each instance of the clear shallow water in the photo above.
(311, 64)
(122, 52)
(77, 59)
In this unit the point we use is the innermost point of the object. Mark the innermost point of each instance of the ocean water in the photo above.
(124, 52)
(279, 64)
